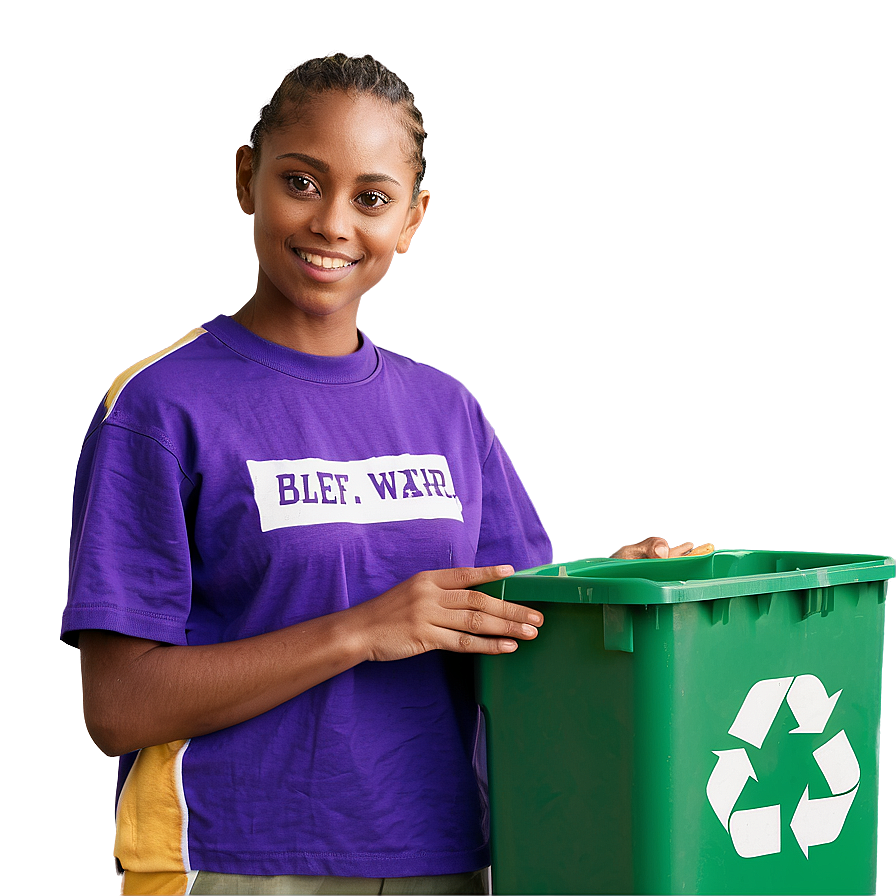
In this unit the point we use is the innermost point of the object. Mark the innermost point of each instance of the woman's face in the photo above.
(332, 197)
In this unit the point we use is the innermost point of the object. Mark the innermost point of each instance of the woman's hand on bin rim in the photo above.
(436, 610)
(652, 548)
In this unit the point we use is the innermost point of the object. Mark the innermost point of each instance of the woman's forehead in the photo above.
(344, 128)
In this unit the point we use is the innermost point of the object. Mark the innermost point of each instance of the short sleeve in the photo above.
(129, 566)
(511, 531)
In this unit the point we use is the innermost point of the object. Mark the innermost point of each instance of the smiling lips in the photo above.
(325, 262)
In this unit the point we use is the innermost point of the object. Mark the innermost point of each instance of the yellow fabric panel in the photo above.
(159, 883)
(150, 823)
(125, 376)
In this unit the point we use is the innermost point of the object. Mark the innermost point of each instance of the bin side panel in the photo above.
(559, 745)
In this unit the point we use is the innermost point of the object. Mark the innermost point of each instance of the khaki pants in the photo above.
(210, 882)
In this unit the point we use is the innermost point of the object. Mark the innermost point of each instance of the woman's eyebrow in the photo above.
(324, 168)
(376, 178)
(308, 160)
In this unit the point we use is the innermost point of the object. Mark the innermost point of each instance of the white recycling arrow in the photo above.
(729, 777)
(820, 821)
(756, 832)
(838, 763)
(759, 709)
(810, 704)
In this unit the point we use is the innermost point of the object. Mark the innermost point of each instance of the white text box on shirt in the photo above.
(312, 490)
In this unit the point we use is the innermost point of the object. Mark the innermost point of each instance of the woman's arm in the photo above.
(138, 693)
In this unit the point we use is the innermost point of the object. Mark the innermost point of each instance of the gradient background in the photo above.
(660, 251)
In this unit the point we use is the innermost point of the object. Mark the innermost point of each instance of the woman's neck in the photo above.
(333, 335)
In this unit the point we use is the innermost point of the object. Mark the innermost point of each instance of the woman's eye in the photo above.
(301, 184)
(373, 199)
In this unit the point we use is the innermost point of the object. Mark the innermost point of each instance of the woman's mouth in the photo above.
(325, 268)
(324, 262)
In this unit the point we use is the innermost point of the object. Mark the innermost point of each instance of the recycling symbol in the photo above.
(757, 831)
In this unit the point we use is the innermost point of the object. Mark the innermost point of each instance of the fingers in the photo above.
(651, 549)
(467, 643)
(484, 616)
(492, 606)
(468, 576)
(648, 549)
(441, 610)
(478, 623)
(490, 626)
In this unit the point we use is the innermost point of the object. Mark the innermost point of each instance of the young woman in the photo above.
(277, 527)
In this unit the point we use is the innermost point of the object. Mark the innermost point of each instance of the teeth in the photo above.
(324, 261)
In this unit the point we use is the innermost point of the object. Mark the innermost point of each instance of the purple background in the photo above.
(668, 226)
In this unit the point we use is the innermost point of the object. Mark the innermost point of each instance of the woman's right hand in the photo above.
(436, 611)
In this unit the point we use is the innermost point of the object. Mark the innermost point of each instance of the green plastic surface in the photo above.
(605, 732)
(722, 574)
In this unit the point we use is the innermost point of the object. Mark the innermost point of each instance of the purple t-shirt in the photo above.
(229, 486)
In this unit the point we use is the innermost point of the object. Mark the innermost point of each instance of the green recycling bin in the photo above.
(695, 725)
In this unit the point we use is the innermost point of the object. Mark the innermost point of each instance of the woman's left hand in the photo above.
(652, 548)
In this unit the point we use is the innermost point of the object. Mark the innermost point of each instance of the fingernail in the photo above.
(535, 618)
(530, 630)
(508, 646)
(505, 570)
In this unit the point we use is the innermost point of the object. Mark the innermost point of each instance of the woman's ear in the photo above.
(413, 221)
(244, 179)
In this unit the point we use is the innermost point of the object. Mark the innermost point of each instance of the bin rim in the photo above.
(581, 581)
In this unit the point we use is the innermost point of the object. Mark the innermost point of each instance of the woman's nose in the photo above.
(332, 219)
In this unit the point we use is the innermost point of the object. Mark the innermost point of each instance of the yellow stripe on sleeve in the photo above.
(126, 376)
